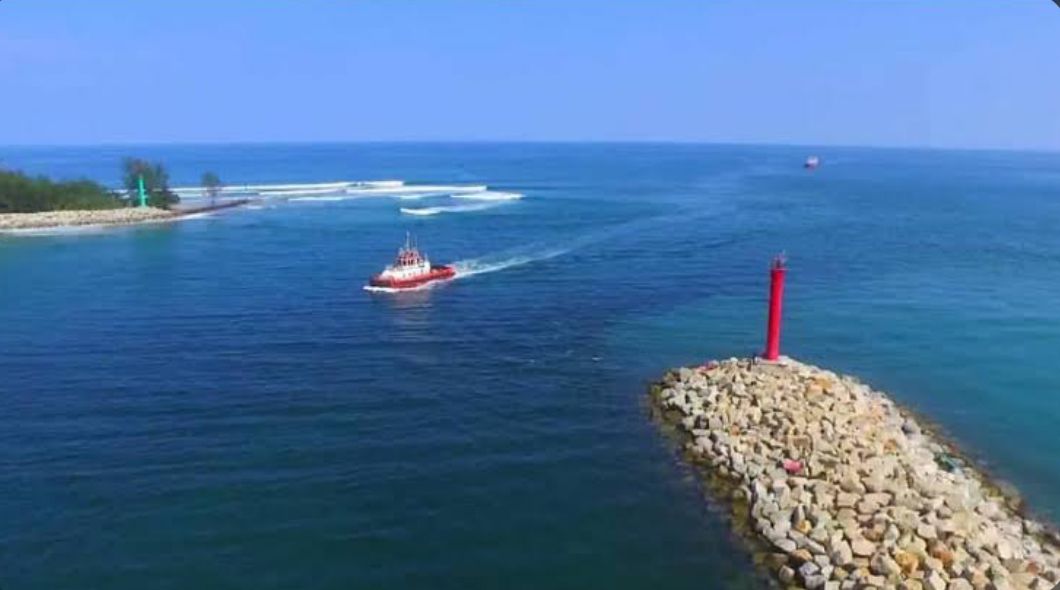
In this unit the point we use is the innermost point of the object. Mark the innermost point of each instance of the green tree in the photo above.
(212, 183)
(156, 183)
(26, 194)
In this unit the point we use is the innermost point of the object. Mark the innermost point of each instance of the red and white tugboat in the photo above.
(410, 270)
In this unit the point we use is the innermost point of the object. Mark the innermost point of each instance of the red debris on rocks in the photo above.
(792, 466)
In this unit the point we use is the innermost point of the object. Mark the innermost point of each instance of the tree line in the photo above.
(21, 193)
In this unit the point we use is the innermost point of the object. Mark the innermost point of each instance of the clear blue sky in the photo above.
(951, 73)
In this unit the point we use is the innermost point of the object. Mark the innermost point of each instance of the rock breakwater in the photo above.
(45, 219)
(844, 490)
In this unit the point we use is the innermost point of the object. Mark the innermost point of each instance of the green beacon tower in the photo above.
(143, 193)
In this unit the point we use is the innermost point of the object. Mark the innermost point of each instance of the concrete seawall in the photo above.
(837, 488)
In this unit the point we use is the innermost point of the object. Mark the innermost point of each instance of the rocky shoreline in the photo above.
(840, 489)
(17, 222)
(49, 219)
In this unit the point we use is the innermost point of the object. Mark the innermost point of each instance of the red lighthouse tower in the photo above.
(776, 300)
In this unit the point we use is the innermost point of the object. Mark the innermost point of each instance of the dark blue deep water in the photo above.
(218, 403)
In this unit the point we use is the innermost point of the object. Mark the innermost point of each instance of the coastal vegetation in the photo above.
(156, 182)
(21, 193)
(29, 203)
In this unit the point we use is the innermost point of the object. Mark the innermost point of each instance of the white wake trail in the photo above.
(488, 264)
(513, 258)
(536, 253)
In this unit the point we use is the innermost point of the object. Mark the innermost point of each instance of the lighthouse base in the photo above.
(781, 360)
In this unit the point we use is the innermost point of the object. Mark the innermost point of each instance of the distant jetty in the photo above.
(24, 222)
(840, 489)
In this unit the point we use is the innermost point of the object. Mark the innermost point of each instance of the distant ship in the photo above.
(411, 269)
(812, 162)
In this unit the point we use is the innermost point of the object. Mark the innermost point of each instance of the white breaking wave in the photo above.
(328, 198)
(275, 189)
(364, 188)
(407, 189)
(418, 196)
(193, 192)
(428, 211)
(489, 196)
(299, 192)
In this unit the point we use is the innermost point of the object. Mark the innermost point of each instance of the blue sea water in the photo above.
(218, 404)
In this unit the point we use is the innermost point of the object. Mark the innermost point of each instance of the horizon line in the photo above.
(302, 142)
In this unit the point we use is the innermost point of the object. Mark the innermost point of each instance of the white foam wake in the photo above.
(526, 255)
(428, 211)
(518, 257)
(495, 263)
(478, 266)
(489, 196)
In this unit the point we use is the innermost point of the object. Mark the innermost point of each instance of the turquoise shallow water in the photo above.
(218, 404)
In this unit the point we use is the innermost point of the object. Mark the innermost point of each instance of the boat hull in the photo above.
(437, 273)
